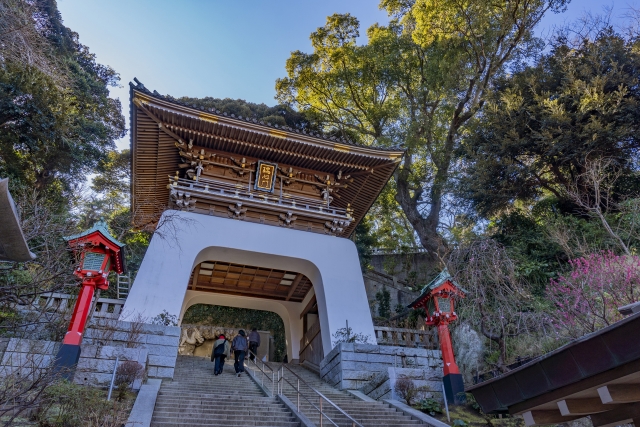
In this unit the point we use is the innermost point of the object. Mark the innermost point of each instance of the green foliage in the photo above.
(383, 298)
(364, 244)
(471, 401)
(430, 406)
(417, 82)
(64, 404)
(166, 319)
(459, 423)
(574, 104)
(231, 317)
(390, 228)
(280, 115)
(53, 132)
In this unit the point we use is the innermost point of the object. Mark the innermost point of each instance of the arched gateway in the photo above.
(260, 218)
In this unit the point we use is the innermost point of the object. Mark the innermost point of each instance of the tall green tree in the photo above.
(54, 129)
(418, 82)
(543, 126)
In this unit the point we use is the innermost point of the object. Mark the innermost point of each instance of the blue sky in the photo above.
(218, 48)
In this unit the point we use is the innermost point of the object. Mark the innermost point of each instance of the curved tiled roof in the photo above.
(138, 86)
(159, 121)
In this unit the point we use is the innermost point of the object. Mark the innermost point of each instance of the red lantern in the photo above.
(100, 253)
(438, 300)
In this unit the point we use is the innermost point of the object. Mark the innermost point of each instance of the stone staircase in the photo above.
(369, 414)
(198, 398)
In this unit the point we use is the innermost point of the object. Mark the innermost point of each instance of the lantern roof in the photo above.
(99, 234)
(441, 279)
(100, 227)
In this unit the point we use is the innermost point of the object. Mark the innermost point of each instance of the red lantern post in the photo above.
(438, 300)
(99, 253)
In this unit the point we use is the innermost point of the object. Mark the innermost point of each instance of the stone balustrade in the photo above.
(60, 303)
(402, 337)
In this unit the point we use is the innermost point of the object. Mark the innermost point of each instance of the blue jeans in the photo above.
(217, 369)
(239, 360)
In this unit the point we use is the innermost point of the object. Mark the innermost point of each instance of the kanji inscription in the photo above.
(265, 176)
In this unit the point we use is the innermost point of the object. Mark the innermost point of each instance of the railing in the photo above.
(264, 375)
(209, 188)
(311, 397)
(278, 382)
(60, 303)
(405, 337)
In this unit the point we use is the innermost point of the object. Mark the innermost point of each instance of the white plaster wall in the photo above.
(331, 263)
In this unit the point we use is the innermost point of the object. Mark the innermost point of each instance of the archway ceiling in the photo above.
(247, 280)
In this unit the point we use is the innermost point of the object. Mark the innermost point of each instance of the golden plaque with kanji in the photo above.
(265, 176)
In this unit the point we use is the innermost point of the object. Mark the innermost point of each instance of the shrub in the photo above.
(126, 374)
(165, 319)
(64, 404)
(430, 406)
(384, 305)
(406, 389)
(347, 335)
(587, 298)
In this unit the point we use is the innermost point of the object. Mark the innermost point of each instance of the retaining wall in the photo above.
(351, 366)
(161, 342)
(155, 347)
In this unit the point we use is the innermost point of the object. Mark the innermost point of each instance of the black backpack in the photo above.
(219, 350)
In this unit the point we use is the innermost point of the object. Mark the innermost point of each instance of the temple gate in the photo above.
(259, 217)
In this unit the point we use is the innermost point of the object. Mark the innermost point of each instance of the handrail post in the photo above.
(113, 378)
(298, 394)
(321, 412)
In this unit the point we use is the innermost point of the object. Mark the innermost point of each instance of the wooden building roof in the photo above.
(597, 375)
(160, 123)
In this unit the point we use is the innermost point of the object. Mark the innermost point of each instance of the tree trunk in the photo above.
(426, 228)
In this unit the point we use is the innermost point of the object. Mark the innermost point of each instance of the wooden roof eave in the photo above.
(386, 154)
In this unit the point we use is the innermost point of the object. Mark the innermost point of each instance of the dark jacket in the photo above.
(217, 345)
(239, 343)
(254, 336)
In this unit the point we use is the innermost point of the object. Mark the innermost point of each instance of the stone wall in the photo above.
(427, 381)
(351, 366)
(95, 367)
(160, 342)
(399, 293)
(410, 267)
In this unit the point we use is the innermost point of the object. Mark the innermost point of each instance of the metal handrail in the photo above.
(322, 397)
(264, 374)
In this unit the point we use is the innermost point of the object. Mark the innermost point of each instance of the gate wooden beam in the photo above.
(294, 286)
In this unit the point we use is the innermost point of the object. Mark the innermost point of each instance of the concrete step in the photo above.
(366, 413)
(221, 423)
(197, 398)
(236, 419)
(270, 411)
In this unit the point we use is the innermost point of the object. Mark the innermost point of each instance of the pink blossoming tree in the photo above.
(587, 299)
